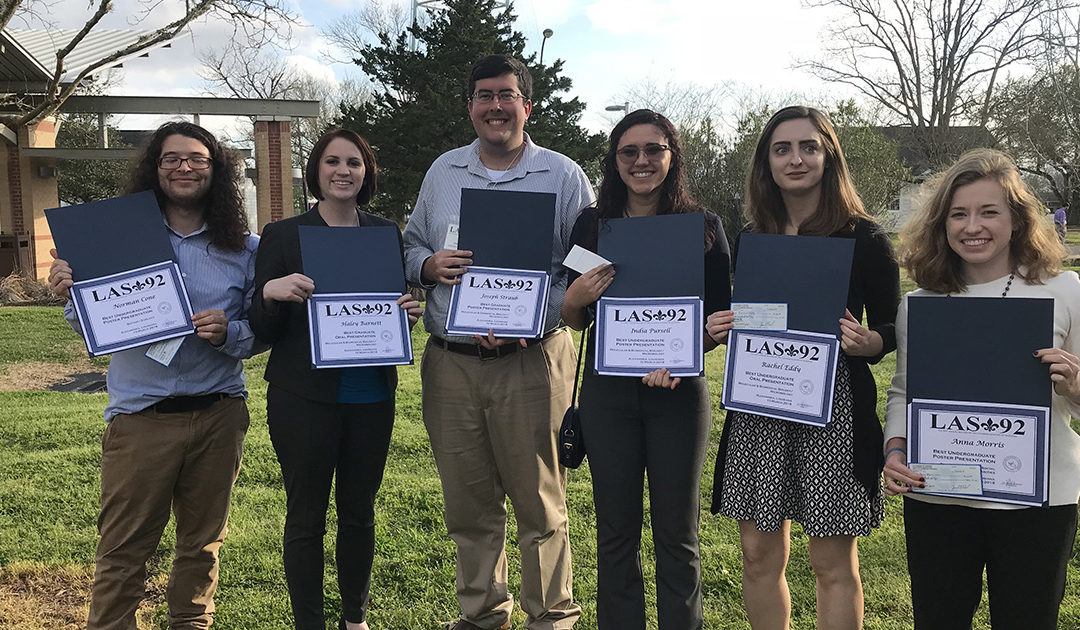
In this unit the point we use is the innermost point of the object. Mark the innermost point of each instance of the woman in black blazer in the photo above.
(324, 421)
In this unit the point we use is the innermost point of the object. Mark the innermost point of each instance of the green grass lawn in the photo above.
(50, 453)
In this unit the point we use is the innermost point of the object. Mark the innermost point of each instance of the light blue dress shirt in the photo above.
(439, 206)
(215, 279)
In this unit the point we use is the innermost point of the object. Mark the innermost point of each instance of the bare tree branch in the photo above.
(259, 18)
(931, 63)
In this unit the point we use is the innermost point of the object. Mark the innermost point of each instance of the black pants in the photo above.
(630, 429)
(312, 441)
(1025, 553)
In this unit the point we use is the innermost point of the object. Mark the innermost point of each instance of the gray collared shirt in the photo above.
(439, 206)
(215, 279)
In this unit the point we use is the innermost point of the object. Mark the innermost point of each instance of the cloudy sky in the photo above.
(608, 46)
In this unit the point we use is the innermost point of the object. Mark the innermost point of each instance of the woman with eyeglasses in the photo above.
(657, 424)
(981, 232)
(327, 422)
(770, 472)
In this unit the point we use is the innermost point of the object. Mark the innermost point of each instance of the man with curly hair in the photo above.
(176, 426)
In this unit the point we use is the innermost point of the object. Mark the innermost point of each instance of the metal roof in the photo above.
(28, 57)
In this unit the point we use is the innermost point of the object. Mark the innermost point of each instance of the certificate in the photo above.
(510, 302)
(1009, 443)
(783, 374)
(358, 330)
(635, 336)
(132, 308)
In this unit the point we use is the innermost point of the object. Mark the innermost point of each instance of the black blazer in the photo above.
(285, 324)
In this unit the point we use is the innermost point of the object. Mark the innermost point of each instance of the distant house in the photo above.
(926, 150)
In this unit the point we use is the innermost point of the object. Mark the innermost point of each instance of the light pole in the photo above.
(624, 108)
(547, 33)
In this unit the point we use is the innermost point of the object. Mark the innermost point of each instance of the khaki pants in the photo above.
(493, 425)
(149, 462)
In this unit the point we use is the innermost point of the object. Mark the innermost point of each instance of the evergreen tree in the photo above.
(418, 110)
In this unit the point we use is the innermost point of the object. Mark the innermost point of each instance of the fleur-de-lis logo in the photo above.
(660, 316)
(990, 426)
(790, 351)
(139, 285)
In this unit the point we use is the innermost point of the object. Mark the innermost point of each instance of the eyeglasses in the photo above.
(629, 154)
(194, 162)
(486, 96)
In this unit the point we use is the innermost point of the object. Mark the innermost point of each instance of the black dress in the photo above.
(825, 478)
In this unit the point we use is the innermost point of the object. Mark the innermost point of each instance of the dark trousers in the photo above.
(314, 440)
(1025, 553)
(629, 429)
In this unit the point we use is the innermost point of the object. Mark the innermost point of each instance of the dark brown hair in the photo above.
(675, 198)
(839, 204)
(496, 66)
(371, 169)
(924, 247)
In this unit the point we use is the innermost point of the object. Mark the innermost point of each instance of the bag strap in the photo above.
(580, 358)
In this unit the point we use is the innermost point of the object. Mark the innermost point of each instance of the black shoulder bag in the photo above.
(571, 442)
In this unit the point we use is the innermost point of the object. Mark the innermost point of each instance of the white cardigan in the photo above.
(1064, 442)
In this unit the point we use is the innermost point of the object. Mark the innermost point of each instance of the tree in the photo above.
(255, 19)
(872, 158)
(83, 181)
(417, 111)
(1037, 117)
(931, 63)
(266, 74)
(353, 31)
(716, 161)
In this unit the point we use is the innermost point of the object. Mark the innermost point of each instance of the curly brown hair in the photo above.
(924, 250)
(764, 209)
(226, 221)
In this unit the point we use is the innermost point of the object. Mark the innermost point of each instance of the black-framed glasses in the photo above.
(194, 162)
(629, 154)
(486, 96)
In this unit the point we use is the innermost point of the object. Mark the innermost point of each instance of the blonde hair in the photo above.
(924, 249)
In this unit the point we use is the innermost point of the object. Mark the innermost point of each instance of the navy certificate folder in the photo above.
(352, 259)
(508, 229)
(101, 238)
(979, 349)
(659, 256)
(810, 274)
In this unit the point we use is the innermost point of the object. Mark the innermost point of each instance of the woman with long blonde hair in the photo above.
(981, 233)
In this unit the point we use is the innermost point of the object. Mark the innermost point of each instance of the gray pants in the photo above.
(629, 429)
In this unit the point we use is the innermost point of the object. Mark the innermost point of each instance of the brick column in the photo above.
(27, 193)
(273, 162)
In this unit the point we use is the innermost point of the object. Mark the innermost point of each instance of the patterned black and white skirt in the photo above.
(777, 470)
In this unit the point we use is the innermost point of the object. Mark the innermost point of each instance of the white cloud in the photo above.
(315, 68)
(625, 17)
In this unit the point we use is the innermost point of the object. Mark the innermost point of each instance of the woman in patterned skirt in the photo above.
(770, 471)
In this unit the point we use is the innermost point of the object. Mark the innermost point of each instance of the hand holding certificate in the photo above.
(507, 302)
(652, 314)
(997, 419)
(355, 320)
(505, 291)
(783, 352)
(127, 289)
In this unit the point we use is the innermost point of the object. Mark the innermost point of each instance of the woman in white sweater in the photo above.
(981, 233)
